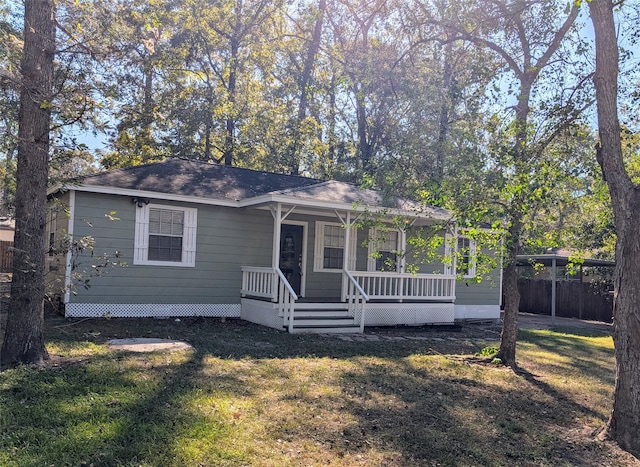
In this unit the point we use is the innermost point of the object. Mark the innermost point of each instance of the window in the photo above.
(466, 258)
(383, 250)
(165, 235)
(329, 251)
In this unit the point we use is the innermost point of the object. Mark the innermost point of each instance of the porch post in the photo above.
(346, 253)
(403, 247)
(277, 226)
(554, 273)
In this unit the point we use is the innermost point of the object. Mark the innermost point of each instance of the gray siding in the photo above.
(58, 225)
(486, 292)
(226, 240)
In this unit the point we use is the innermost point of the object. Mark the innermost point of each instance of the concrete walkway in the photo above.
(476, 332)
(147, 344)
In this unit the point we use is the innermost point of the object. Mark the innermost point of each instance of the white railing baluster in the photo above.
(356, 298)
(272, 284)
(390, 285)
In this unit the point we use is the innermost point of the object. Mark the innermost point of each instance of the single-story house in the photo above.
(289, 252)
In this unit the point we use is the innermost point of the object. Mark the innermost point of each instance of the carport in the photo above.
(555, 261)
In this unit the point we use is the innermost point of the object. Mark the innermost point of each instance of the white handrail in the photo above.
(286, 299)
(356, 299)
(286, 283)
(355, 283)
(270, 283)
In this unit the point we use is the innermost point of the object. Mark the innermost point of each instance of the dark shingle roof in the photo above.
(191, 178)
(199, 179)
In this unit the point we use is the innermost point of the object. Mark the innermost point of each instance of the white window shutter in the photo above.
(189, 236)
(472, 258)
(371, 261)
(353, 245)
(141, 235)
(319, 247)
(449, 255)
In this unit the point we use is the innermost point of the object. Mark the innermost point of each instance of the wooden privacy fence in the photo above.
(6, 256)
(573, 299)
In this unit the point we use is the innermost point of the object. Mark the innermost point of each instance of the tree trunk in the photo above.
(303, 86)
(364, 147)
(24, 336)
(509, 336)
(442, 143)
(230, 127)
(624, 423)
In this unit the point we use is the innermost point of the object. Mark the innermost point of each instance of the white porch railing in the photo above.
(286, 299)
(399, 286)
(259, 282)
(356, 299)
(272, 284)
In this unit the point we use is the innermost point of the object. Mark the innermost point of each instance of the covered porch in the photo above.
(322, 277)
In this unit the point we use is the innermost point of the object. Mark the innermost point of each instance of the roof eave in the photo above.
(250, 202)
(148, 194)
(335, 205)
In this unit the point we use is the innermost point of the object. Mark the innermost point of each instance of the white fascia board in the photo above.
(329, 205)
(150, 194)
(249, 202)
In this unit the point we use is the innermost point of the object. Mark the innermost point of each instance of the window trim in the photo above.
(141, 239)
(451, 243)
(371, 261)
(318, 256)
(471, 271)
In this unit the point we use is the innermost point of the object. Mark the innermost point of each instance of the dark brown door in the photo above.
(291, 254)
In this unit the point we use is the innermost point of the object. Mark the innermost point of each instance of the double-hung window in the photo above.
(330, 247)
(466, 257)
(383, 250)
(165, 235)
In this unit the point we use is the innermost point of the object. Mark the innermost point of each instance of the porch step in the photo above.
(332, 320)
(319, 305)
(321, 313)
(320, 329)
(320, 318)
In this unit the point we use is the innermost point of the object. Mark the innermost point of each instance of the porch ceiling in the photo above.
(320, 208)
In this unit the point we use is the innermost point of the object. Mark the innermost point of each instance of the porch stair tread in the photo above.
(329, 314)
(326, 321)
(326, 329)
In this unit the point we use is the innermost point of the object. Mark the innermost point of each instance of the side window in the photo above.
(165, 236)
(466, 258)
(383, 250)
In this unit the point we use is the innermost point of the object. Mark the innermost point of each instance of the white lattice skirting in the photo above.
(260, 312)
(151, 310)
(390, 314)
(477, 312)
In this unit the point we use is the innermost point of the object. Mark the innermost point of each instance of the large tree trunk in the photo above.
(624, 422)
(303, 86)
(509, 336)
(230, 134)
(24, 337)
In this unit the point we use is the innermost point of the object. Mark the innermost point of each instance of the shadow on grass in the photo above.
(236, 339)
(578, 354)
(433, 417)
(393, 402)
(112, 409)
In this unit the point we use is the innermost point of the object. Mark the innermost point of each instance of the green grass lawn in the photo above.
(248, 395)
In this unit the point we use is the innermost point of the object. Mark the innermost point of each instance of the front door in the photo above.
(291, 238)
